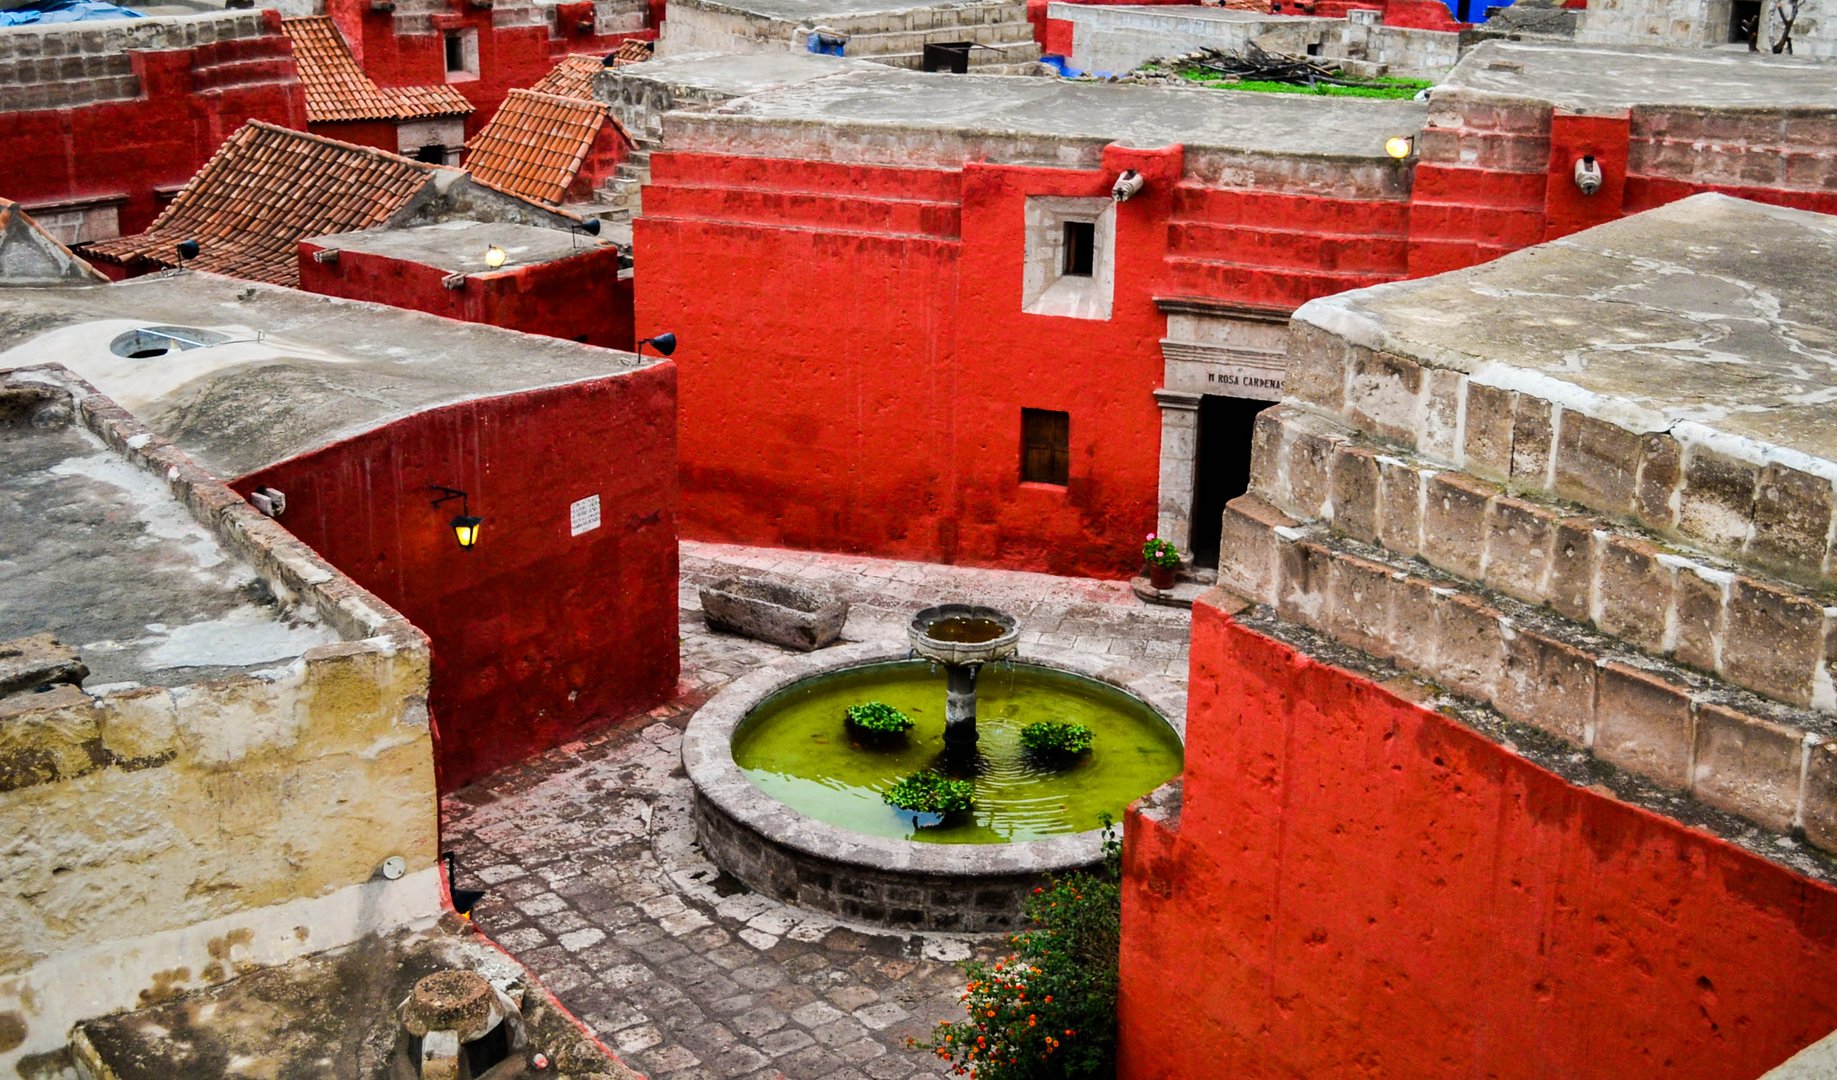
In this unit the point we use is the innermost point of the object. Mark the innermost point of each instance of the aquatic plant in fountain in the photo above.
(1048, 739)
(931, 792)
(876, 718)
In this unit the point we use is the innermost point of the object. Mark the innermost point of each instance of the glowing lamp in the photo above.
(465, 530)
(664, 343)
(1399, 146)
(465, 525)
(494, 256)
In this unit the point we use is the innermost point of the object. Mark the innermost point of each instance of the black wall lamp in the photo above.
(187, 250)
(465, 526)
(664, 343)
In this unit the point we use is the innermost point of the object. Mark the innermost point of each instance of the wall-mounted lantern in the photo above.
(187, 250)
(465, 526)
(664, 343)
(495, 256)
(1400, 146)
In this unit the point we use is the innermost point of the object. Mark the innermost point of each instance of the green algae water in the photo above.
(795, 748)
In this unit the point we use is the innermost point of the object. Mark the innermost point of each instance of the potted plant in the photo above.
(875, 723)
(930, 797)
(1162, 558)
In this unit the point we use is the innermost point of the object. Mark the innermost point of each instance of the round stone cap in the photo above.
(448, 1001)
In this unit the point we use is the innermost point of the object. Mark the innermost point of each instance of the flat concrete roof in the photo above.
(739, 74)
(881, 101)
(1712, 317)
(458, 247)
(100, 553)
(323, 369)
(1184, 12)
(1597, 77)
(815, 11)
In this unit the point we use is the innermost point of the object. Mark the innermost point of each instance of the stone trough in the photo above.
(768, 611)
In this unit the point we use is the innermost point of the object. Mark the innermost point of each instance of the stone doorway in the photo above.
(1221, 469)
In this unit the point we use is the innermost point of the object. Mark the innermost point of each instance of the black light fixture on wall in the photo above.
(664, 343)
(465, 526)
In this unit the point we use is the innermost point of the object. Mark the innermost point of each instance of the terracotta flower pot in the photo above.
(1161, 577)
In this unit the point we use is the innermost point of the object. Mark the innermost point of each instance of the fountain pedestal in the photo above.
(962, 637)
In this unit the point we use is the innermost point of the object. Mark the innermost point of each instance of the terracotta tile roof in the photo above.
(535, 144)
(337, 89)
(572, 78)
(633, 51)
(265, 190)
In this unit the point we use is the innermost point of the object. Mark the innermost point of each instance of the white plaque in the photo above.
(584, 516)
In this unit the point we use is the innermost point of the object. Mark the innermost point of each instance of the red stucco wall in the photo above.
(509, 57)
(1360, 887)
(536, 634)
(860, 388)
(579, 297)
(191, 100)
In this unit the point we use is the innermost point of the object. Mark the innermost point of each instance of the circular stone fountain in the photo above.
(787, 802)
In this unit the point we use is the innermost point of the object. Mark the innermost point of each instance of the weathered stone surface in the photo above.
(41, 660)
(1643, 724)
(1747, 765)
(788, 615)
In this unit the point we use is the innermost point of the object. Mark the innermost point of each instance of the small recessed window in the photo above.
(461, 54)
(1046, 455)
(1080, 248)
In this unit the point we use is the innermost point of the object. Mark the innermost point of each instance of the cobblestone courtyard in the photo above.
(596, 883)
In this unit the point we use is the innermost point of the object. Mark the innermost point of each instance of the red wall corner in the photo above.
(537, 634)
(1606, 138)
(1360, 887)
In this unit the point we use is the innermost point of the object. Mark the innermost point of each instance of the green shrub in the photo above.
(931, 793)
(1047, 1011)
(1047, 738)
(877, 717)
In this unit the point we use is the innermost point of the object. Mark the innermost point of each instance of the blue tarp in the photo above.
(64, 11)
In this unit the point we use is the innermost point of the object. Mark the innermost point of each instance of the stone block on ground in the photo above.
(788, 615)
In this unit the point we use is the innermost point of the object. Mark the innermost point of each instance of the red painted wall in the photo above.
(579, 297)
(509, 57)
(536, 634)
(378, 133)
(191, 100)
(879, 373)
(1361, 887)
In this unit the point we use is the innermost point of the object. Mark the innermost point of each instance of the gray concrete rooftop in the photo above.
(99, 552)
(323, 370)
(815, 11)
(1194, 12)
(1712, 312)
(738, 74)
(1585, 78)
(897, 100)
(458, 247)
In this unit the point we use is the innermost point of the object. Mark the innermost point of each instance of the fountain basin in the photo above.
(879, 879)
(981, 635)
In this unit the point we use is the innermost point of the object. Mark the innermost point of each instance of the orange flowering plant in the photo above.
(1047, 1011)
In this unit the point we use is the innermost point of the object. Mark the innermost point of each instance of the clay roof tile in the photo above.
(535, 144)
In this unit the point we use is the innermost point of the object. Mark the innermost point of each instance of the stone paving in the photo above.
(596, 883)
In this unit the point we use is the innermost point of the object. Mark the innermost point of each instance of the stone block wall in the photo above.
(170, 838)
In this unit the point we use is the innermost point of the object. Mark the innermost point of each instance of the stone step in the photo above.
(1768, 763)
(1681, 481)
(1681, 605)
(982, 60)
(904, 41)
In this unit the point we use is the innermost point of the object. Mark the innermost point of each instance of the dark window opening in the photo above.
(1314, 48)
(1046, 441)
(455, 51)
(1080, 248)
(1221, 468)
(1742, 16)
(948, 56)
(432, 154)
(488, 1050)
